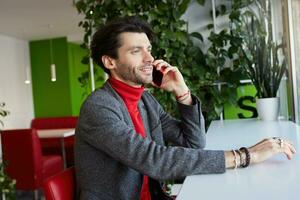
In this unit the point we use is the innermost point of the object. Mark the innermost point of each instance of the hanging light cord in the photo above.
(51, 52)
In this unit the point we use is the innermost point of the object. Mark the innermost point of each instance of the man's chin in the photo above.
(145, 80)
(148, 81)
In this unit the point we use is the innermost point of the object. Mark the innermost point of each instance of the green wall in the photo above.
(50, 98)
(64, 96)
(78, 93)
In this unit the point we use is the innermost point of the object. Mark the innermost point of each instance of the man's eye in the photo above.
(135, 51)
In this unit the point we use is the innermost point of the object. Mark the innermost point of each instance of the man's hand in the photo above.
(263, 150)
(172, 80)
(270, 147)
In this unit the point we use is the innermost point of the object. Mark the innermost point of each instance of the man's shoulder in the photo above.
(101, 94)
(102, 97)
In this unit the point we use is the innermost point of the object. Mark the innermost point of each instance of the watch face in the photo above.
(157, 76)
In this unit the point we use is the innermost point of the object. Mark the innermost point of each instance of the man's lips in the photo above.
(147, 69)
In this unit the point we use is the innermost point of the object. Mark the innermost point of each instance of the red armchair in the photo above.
(25, 162)
(60, 186)
(51, 146)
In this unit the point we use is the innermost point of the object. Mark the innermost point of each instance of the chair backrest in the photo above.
(54, 122)
(22, 152)
(60, 186)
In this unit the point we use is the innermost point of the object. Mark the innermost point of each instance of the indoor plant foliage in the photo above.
(7, 185)
(249, 47)
(264, 61)
(3, 112)
(174, 44)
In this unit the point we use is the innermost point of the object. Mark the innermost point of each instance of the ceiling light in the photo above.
(52, 65)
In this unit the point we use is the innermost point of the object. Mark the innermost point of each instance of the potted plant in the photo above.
(7, 185)
(264, 61)
(3, 112)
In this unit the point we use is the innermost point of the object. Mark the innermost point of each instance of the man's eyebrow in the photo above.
(138, 47)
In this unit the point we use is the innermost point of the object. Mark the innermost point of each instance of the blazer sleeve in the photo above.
(102, 126)
(189, 131)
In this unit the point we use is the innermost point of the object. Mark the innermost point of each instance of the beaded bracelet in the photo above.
(235, 159)
(246, 151)
(242, 161)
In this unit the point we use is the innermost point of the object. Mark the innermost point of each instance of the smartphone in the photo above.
(157, 76)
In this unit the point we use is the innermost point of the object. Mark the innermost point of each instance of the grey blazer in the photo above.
(111, 158)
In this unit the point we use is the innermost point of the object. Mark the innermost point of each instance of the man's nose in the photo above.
(148, 57)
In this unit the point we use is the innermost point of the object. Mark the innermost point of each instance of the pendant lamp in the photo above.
(52, 65)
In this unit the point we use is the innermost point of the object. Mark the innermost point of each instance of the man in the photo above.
(120, 150)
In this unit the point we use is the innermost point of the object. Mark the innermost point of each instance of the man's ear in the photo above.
(108, 62)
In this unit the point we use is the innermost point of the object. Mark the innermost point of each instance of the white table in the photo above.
(60, 134)
(276, 178)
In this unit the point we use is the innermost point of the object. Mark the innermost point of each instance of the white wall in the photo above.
(14, 58)
(199, 17)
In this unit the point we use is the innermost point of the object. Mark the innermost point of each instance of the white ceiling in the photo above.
(40, 19)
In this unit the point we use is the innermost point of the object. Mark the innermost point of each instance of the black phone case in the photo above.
(157, 76)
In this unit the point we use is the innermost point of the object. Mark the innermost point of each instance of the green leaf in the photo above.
(235, 15)
(85, 60)
(183, 6)
(201, 2)
(210, 26)
(81, 6)
(222, 9)
(197, 35)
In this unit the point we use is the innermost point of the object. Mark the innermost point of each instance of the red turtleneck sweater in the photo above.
(131, 96)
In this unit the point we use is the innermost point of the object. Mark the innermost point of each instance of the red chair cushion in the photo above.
(52, 146)
(51, 166)
(60, 186)
(22, 151)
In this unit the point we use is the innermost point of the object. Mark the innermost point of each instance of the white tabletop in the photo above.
(55, 133)
(276, 178)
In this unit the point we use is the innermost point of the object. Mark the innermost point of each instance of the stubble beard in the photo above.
(134, 74)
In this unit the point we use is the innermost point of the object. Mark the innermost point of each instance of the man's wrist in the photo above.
(184, 96)
(179, 91)
(237, 158)
(229, 159)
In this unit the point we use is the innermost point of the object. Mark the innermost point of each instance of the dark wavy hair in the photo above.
(106, 40)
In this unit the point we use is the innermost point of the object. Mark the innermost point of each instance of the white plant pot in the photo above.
(268, 108)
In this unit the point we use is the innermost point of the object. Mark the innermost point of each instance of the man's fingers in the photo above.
(155, 62)
(288, 153)
(171, 68)
(288, 149)
(161, 64)
(291, 147)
